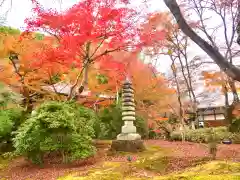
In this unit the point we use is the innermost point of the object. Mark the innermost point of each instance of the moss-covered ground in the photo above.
(161, 161)
(156, 163)
(215, 170)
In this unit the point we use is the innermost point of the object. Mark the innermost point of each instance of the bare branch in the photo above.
(227, 67)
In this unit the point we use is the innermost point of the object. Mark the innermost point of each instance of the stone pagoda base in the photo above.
(128, 145)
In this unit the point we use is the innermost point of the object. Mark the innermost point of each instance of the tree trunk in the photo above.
(86, 64)
(228, 107)
(238, 24)
(84, 83)
(181, 111)
(234, 91)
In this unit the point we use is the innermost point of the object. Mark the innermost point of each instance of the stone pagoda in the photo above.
(129, 139)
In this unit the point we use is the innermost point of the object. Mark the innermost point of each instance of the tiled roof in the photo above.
(64, 88)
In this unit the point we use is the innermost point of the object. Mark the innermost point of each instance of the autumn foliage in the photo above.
(92, 39)
(90, 29)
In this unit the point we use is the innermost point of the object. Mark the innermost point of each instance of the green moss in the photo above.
(137, 178)
(154, 163)
(5, 160)
(153, 159)
(100, 175)
(107, 171)
(148, 152)
(3, 164)
(215, 170)
(201, 177)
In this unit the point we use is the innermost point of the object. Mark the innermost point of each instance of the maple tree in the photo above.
(152, 93)
(174, 46)
(219, 80)
(182, 71)
(17, 52)
(216, 80)
(88, 32)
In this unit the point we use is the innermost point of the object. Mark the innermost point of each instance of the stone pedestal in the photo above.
(129, 140)
(128, 145)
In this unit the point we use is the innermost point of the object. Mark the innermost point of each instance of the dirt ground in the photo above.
(182, 156)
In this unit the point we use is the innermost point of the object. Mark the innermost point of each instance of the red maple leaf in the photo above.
(91, 29)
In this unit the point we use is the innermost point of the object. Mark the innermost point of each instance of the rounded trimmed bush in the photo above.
(56, 127)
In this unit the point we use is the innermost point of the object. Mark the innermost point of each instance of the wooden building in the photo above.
(86, 98)
(210, 109)
(211, 116)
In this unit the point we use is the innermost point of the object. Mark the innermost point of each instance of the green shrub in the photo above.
(55, 127)
(87, 116)
(235, 126)
(10, 119)
(168, 126)
(142, 128)
(202, 135)
(152, 133)
(6, 125)
(110, 123)
(235, 137)
(7, 96)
